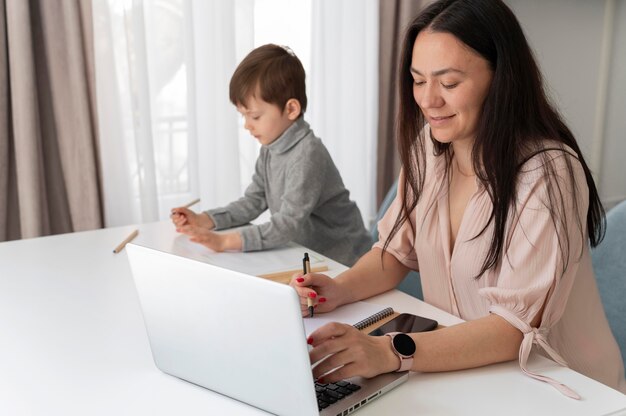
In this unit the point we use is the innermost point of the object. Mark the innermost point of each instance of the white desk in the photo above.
(72, 342)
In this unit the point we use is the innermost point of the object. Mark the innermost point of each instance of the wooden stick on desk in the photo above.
(194, 202)
(127, 240)
(285, 276)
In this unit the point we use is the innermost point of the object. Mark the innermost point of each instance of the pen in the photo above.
(306, 267)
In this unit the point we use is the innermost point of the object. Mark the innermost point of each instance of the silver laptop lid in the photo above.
(222, 330)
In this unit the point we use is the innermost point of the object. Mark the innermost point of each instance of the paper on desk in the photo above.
(347, 314)
(254, 263)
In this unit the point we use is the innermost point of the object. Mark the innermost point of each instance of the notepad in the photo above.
(282, 261)
(358, 314)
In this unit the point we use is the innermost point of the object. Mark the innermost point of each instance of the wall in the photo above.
(581, 48)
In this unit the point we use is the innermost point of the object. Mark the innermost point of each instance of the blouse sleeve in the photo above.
(543, 247)
(402, 244)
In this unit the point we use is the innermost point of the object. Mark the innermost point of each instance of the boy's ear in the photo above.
(293, 108)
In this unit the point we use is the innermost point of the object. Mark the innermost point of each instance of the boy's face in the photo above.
(265, 121)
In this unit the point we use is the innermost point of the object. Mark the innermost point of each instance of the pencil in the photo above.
(194, 202)
(306, 267)
(127, 240)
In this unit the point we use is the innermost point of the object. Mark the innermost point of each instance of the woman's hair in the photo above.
(272, 71)
(515, 122)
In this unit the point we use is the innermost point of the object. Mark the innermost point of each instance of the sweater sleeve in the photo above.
(246, 208)
(303, 187)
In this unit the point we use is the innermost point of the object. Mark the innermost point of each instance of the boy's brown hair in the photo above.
(272, 71)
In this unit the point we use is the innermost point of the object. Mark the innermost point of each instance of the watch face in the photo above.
(404, 344)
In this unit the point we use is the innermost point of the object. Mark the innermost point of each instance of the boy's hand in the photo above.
(212, 240)
(184, 216)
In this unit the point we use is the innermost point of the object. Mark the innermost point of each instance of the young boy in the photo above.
(294, 177)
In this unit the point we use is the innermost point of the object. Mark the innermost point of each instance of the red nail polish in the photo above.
(322, 299)
(320, 380)
(299, 280)
(312, 295)
(309, 340)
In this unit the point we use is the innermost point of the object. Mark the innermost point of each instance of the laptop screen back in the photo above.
(232, 333)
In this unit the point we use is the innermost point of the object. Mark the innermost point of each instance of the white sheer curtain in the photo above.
(343, 86)
(168, 131)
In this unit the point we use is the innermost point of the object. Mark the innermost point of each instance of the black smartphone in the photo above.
(407, 323)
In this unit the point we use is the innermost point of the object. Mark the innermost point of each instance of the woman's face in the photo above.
(451, 83)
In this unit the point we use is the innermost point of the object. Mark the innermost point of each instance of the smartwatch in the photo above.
(404, 347)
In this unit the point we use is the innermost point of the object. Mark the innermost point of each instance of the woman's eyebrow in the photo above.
(439, 71)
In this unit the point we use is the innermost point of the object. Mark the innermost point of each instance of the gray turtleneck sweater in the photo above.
(297, 180)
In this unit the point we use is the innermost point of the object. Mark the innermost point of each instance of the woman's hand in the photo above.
(184, 216)
(326, 293)
(349, 353)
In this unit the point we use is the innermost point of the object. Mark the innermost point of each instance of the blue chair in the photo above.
(609, 264)
(411, 283)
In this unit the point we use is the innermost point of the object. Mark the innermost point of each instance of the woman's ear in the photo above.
(293, 109)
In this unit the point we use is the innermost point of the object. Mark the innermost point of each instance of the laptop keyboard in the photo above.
(328, 394)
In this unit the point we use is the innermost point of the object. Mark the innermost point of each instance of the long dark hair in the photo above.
(516, 119)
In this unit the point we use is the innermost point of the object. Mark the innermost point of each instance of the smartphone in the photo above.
(407, 323)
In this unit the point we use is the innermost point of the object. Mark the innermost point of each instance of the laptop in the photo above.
(238, 335)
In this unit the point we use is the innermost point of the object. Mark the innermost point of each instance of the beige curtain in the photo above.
(48, 163)
(394, 17)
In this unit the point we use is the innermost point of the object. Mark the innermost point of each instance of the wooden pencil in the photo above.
(194, 202)
(127, 240)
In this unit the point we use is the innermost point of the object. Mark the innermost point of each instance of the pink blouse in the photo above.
(574, 330)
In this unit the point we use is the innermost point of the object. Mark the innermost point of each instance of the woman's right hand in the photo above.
(326, 293)
(184, 216)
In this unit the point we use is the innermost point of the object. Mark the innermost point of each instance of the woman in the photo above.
(496, 208)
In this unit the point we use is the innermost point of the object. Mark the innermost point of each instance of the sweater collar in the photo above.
(290, 137)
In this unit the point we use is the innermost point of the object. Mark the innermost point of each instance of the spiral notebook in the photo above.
(358, 314)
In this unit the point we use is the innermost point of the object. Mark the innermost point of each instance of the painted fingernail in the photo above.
(320, 380)
(322, 300)
(309, 340)
(312, 295)
(299, 280)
